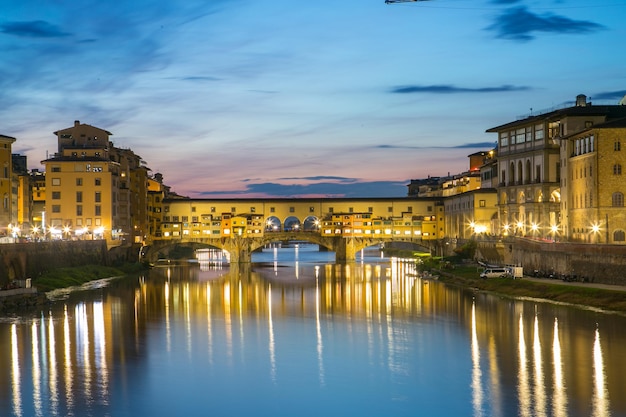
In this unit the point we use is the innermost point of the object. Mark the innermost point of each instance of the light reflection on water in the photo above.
(305, 336)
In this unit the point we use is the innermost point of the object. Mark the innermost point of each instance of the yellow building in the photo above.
(471, 214)
(92, 188)
(38, 195)
(595, 184)
(155, 196)
(7, 215)
(530, 164)
(130, 204)
(183, 218)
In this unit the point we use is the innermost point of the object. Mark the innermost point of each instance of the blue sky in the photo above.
(258, 98)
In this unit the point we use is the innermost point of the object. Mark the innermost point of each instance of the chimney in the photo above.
(581, 100)
(76, 123)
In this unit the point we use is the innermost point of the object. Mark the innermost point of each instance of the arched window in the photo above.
(512, 173)
(618, 199)
(520, 173)
(619, 236)
(527, 173)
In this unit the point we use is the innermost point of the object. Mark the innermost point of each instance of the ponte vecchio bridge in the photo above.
(343, 225)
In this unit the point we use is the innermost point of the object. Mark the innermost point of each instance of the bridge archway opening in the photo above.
(311, 224)
(272, 224)
(175, 250)
(292, 224)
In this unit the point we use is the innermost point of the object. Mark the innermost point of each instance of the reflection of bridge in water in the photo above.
(344, 226)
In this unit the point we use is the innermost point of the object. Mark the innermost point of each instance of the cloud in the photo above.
(343, 180)
(518, 24)
(610, 95)
(33, 29)
(200, 78)
(476, 145)
(451, 89)
(371, 189)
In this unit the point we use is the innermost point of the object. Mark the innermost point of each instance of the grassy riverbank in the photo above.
(584, 295)
(78, 275)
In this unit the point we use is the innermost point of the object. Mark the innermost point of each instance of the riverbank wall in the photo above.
(20, 261)
(599, 263)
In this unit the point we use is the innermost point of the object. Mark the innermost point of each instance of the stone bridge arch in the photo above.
(241, 248)
(162, 249)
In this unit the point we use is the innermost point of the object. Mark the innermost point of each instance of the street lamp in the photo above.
(66, 231)
(535, 228)
(595, 229)
(98, 233)
(554, 229)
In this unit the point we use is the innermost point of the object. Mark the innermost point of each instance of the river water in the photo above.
(296, 335)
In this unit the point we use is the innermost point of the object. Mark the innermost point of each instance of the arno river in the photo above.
(296, 335)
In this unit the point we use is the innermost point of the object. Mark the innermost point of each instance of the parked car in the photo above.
(495, 273)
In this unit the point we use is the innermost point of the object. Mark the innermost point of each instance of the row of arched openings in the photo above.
(292, 224)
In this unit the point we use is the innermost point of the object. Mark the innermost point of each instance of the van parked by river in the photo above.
(495, 272)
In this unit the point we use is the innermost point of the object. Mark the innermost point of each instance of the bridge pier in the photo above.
(239, 248)
(345, 250)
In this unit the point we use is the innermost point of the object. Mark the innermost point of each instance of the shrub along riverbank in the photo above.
(584, 295)
(78, 275)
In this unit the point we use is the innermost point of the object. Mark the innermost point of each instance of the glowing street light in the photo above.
(479, 229)
(595, 229)
(534, 228)
(554, 229)
(98, 233)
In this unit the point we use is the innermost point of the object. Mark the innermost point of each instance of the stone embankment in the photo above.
(598, 263)
(22, 263)
(20, 299)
